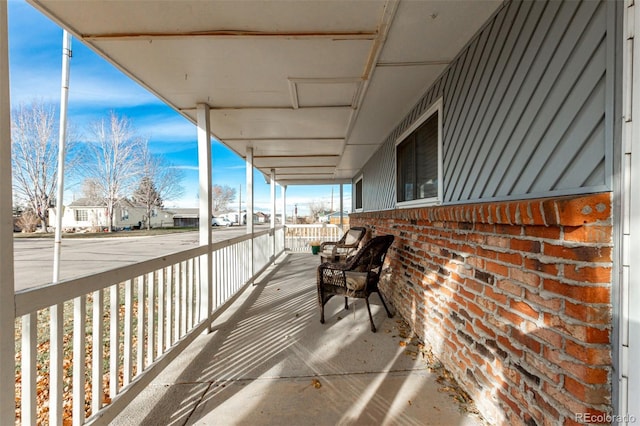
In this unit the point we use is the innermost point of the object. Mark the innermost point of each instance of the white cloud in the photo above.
(100, 92)
(187, 167)
(167, 127)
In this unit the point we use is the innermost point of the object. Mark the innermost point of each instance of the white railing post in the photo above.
(79, 354)
(206, 205)
(56, 359)
(7, 308)
(140, 325)
(151, 311)
(114, 340)
(128, 333)
(97, 391)
(29, 370)
(161, 313)
(171, 294)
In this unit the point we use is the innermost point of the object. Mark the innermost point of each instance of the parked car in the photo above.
(220, 221)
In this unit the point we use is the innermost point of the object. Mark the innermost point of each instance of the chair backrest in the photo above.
(353, 236)
(371, 255)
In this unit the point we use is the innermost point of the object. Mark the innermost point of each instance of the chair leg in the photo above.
(373, 327)
(389, 314)
(346, 303)
(321, 313)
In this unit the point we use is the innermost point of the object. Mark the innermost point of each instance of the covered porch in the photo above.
(513, 255)
(268, 360)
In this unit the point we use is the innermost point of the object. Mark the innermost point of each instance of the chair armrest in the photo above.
(327, 243)
(335, 266)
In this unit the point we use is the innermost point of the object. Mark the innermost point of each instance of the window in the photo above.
(82, 215)
(358, 189)
(124, 214)
(418, 161)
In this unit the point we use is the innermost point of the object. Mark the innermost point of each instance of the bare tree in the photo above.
(113, 162)
(91, 191)
(222, 196)
(34, 157)
(160, 181)
(316, 208)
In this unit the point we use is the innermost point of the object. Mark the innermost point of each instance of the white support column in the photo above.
(342, 207)
(249, 166)
(7, 307)
(249, 198)
(283, 201)
(273, 212)
(205, 207)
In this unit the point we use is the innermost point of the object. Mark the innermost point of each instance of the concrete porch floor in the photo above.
(269, 361)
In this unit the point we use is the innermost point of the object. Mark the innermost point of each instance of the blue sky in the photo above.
(96, 88)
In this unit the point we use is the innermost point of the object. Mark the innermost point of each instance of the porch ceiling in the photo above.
(313, 86)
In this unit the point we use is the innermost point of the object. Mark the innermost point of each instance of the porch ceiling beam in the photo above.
(302, 167)
(295, 156)
(287, 139)
(384, 25)
(414, 63)
(228, 34)
(332, 181)
(304, 174)
(267, 108)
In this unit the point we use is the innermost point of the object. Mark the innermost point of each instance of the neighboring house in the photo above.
(87, 214)
(186, 217)
(334, 218)
(260, 217)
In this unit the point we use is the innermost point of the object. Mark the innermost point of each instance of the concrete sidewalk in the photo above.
(269, 361)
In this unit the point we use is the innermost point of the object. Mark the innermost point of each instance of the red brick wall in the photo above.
(513, 297)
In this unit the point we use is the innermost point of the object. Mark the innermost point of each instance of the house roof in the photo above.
(87, 202)
(185, 212)
(313, 87)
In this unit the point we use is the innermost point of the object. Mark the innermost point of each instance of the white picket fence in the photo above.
(298, 237)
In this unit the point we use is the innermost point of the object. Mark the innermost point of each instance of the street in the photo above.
(33, 257)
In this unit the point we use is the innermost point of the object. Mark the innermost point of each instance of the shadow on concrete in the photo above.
(270, 361)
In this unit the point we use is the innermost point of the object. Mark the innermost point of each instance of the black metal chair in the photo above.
(358, 277)
(338, 251)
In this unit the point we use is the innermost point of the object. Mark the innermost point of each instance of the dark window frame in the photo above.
(357, 189)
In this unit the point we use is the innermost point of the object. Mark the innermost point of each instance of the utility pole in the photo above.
(331, 210)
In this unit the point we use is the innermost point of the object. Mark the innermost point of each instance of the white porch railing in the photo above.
(140, 316)
(298, 237)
